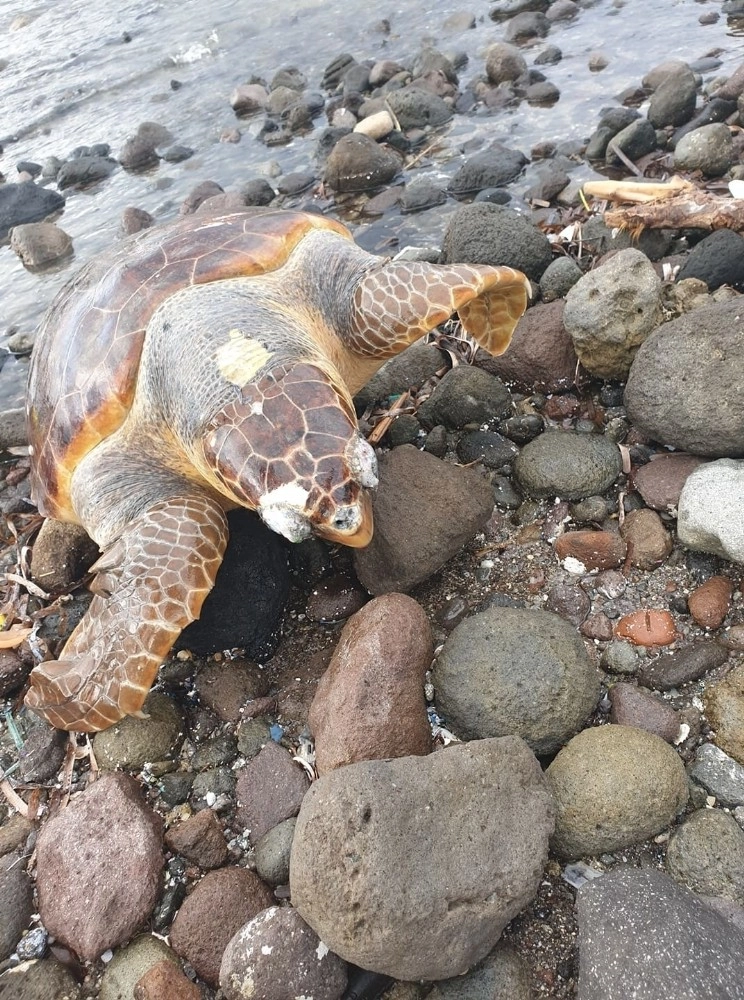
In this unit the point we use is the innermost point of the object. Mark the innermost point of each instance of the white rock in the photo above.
(710, 506)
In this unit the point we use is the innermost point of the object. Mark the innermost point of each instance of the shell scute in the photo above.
(84, 369)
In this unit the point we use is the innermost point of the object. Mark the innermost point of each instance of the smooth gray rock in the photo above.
(709, 149)
(719, 774)
(465, 395)
(673, 100)
(611, 310)
(130, 963)
(502, 975)
(644, 937)
(415, 107)
(706, 853)
(614, 786)
(568, 465)
(707, 515)
(26, 202)
(669, 404)
(413, 867)
(516, 672)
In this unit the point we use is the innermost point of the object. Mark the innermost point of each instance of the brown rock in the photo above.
(134, 220)
(634, 706)
(98, 865)
(711, 601)
(227, 687)
(660, 481)
(13, 671)
(249, 98)
(425, 511)
(370, 702)
(357, 163)
(165, 981)
(14, 833)
(569, 601)
(595, 549)
(218, 907)
(270, 788)
(61, 556)
(597, 626)
(200, 839)
(683, 665)
(647, 628)
(40, 243)
(336, 598)
(648, 541)
(541, 354)
(724, 707)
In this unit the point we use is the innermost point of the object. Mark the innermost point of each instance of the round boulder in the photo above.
(413, 867)
(614, 786)
(483, 233)
(568, 465)
(610, 311)
(706, 854)
(516, 672)
(684, 387)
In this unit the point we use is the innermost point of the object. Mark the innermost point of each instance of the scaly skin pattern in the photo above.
(207, 366)
(151, 583)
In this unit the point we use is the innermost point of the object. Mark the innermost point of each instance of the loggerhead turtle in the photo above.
(205, 366)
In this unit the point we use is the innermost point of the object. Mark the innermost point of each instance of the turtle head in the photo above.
(290, 449)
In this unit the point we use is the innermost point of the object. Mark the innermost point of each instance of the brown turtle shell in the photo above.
(86, 358)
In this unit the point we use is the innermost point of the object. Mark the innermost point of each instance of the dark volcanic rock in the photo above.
(270, 788)
(465, 396)
(415, 530)
(246, 605)
(218, 907)
(643, 936)
(278, 947)
(482, 233)
(16, 902)
(357, 163)
(495, 168)
(568, 465)
(26, 202)
(541, 355)
(670, 670)
(717, 260)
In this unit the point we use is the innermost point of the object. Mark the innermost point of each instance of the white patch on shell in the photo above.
(321, 951)
(266, 949)
(241, 358)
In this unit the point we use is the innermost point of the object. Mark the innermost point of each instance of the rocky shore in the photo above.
(499, 753)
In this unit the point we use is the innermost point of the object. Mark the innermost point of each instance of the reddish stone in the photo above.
(199, 839)
(594, 549)
(597, 626)
(660, 481)
(98, 865)
(228, 686)
(711, 601)
(647, 628)
(165, 981)
(270, 788)
(218, 907)
(370, 702)
(541, 354)
(635, 706)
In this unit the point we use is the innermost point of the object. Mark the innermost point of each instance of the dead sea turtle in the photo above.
(205, 366)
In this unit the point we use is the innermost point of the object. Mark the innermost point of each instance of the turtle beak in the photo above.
(351, 525)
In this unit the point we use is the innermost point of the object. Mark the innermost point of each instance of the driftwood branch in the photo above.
(677, 204)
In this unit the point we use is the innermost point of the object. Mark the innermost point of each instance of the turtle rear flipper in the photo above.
(151, 584)
(398, 303)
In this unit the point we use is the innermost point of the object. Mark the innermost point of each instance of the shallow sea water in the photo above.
(77, 72)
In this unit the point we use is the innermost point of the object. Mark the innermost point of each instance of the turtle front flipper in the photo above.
(396, 304)
(151, 583)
